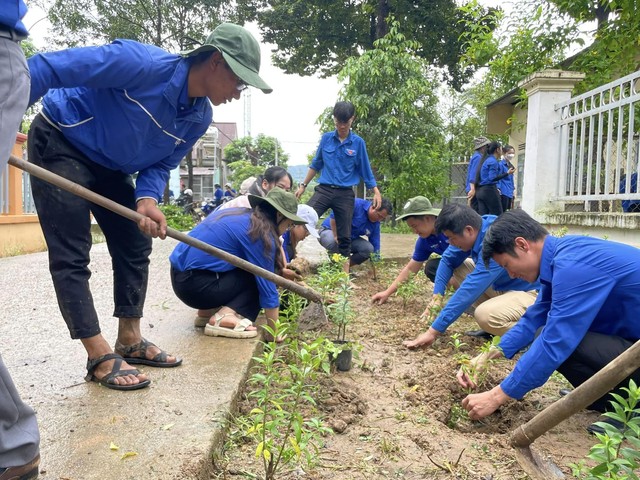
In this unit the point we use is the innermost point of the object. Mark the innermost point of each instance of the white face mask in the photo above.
(510, 156)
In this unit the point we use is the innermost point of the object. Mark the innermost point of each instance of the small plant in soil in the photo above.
(284, 383)
(376, 264)
(407, 290)
(477, 372)
(617, 455)
(340, 312)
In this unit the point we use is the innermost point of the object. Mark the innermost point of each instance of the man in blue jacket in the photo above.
(500, 301)
(365, 223)
(109, 112)
(342, 161)
(585, 316)
(19, 435)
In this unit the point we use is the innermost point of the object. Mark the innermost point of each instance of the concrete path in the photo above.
(167, 431)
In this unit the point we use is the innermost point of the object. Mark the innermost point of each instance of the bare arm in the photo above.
(412, 267)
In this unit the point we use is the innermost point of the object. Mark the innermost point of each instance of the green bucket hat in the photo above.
(418, 206)
(239, 49)
(284, 202)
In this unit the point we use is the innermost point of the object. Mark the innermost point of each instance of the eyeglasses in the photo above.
(240, 85)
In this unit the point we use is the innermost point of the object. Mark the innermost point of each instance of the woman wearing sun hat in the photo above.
(207, 283)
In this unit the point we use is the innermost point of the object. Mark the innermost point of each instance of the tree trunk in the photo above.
(382, 13)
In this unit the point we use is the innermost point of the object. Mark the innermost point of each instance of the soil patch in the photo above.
(397, 413)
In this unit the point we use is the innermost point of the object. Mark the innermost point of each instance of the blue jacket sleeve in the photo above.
(318, 163)
(151, 181)
(578, 293)
(374, 238)
(451, 259)
(472, 287)
(108, 66)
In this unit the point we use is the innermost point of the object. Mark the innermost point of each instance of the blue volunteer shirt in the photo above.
(342, 164)
(475, 283)
(426, 246)
(228, 232)
(506, 185)
(361, 225)
(124, 105)
(588, 285)
(489, 171)
(473, 166)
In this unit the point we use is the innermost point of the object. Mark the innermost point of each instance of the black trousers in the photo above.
(66, 224)
(431, 268)
(341, 201)
(507, 203)
(205, 289)
(489, 202)
(593, 353)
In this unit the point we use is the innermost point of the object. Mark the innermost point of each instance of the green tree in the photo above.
(170, 24)
(317, 36)
(395, 94)
(240, 170)
(262, 151)
(539, 33)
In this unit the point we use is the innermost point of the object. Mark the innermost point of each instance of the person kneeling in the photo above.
(365, 223)
(207, 283)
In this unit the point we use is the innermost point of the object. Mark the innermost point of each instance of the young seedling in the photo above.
(283, 382)
(407, 290)
(376, 263)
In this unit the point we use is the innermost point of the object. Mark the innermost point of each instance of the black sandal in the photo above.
(108, 379)
(137, 354)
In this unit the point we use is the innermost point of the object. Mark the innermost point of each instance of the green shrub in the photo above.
(176, 219)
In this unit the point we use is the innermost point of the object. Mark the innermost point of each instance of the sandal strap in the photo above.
(115, 370)
(140, 351)
(139, 348)
(92, 364)
(242, 325)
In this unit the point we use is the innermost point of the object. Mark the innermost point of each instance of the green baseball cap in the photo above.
(418, 206)
(239, 49)
(284, 202)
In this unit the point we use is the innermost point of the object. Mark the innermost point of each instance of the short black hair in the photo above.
(343, 111)
(385, 204)
(217, 185)
(501, 235)
(455, 217)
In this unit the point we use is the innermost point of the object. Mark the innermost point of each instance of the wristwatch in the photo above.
(302, 184)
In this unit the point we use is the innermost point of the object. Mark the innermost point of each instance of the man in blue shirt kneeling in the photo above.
(365, 223)
(585, 315)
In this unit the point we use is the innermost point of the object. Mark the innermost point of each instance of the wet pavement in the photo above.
(170, 430)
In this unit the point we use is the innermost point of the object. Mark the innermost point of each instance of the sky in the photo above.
(289, 113)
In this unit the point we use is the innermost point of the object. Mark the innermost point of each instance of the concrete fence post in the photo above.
(544, 90)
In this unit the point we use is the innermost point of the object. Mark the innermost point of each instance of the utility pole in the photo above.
(247, 112)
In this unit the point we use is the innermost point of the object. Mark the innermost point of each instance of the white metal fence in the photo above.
(599, 146)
